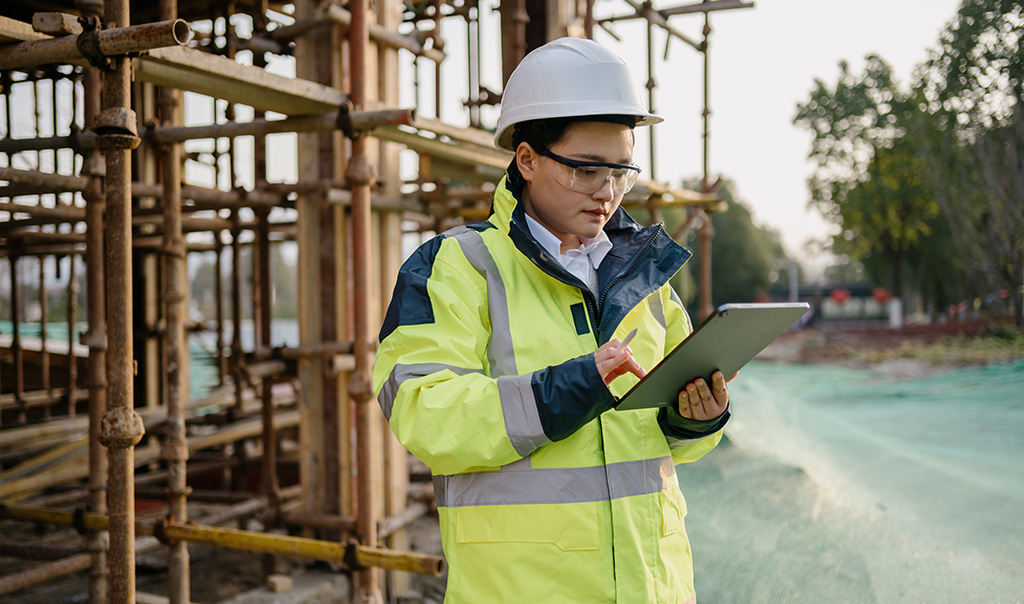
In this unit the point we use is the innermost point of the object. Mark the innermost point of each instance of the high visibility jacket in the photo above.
(486, 372)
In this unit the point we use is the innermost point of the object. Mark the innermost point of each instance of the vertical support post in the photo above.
(270, 483)
(175, 447)
(588, 20)
(241, 470)
(19, 363)
(706, 232)
(96, 542)
(308, 55)
(387, 255)
(264, 291)
(122, 427)
(360, 176)
(72, 308)
(650, 88)
(218, 294)
(44, 359)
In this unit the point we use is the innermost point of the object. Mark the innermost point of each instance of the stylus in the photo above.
(629, 338)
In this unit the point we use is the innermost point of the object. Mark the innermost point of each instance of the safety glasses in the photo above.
(589, 176)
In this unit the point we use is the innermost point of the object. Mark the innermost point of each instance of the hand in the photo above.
(699, 403)
(613, 361)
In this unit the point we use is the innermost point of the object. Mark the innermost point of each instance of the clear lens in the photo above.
(589, 180)
(588, 177)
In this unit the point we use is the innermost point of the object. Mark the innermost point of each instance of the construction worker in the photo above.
(501, 347)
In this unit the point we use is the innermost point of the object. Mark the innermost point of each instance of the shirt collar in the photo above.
(597, 248)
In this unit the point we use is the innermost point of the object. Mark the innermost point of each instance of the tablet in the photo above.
(727, 340)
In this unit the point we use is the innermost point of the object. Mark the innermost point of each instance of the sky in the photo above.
(764, 61)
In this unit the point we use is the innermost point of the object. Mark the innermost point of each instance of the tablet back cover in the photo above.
(727, 340)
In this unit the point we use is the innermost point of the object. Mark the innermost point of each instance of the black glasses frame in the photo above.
(575, 163)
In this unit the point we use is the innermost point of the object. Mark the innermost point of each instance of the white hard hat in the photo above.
(568, 77)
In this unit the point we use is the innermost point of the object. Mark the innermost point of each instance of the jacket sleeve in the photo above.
(433, 381)
(689, 439)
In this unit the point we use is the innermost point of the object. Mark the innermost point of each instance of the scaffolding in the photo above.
(110, 174)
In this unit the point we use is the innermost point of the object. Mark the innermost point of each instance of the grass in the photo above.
(995, 345)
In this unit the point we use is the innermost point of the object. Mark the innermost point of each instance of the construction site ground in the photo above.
(858, 467)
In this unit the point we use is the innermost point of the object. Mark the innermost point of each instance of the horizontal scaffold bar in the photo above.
(352, 554)
(110, 42)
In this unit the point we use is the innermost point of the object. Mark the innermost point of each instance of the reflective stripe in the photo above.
(658, 309)
(679, 443)
(401, 373)
(500, 354)
(522, 419)
(515, 485)
(675, 298)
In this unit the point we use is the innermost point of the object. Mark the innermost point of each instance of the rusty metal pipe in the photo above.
(354, 555)
(19, 363)
(174, 449)
(218, 297)
(79, 141)
(44, 353)
(43, 179)
(72, 312)
(47, 572)
(356, 120)
(705, 7)
(115, 41)
(321, 521)
(360, 176)
(122, 427)
(96, 337)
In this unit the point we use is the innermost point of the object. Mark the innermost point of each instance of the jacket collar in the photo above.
(647, 255)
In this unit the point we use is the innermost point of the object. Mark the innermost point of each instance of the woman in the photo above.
(501, 347)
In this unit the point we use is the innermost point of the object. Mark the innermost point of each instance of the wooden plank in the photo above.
(56, 24)
(204, 73)
(12, 30)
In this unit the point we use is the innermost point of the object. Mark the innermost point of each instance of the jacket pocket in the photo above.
(673, 511)
(570, 527)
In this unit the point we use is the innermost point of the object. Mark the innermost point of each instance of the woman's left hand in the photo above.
(698, 402)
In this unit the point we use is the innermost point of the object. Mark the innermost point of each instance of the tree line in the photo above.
(926, 181)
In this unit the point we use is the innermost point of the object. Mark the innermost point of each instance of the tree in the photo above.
(889, 212)
(973, 86)
(869, 179)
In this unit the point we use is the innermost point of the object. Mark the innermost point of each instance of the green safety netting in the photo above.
(840, 485)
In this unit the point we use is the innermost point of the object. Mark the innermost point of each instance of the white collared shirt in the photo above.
(583, 261)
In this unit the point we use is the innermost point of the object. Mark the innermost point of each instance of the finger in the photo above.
(696, 405)
(703, 390)
(684, 404)
(717, 382)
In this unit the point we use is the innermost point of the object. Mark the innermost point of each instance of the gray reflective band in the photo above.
(401, 373)
(657, 308)
(522, 419)
(675, 298)
(500, 354)
(679, 443)
(516, 485)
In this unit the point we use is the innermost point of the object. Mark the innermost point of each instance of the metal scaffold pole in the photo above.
(122, 427)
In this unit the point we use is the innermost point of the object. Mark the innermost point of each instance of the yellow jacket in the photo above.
(485, 372)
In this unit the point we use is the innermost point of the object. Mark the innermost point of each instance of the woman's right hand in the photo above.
(613, 361)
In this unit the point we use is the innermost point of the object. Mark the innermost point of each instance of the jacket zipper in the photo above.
(618, 277)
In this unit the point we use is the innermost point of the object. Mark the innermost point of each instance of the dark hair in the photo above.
(543, 133)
